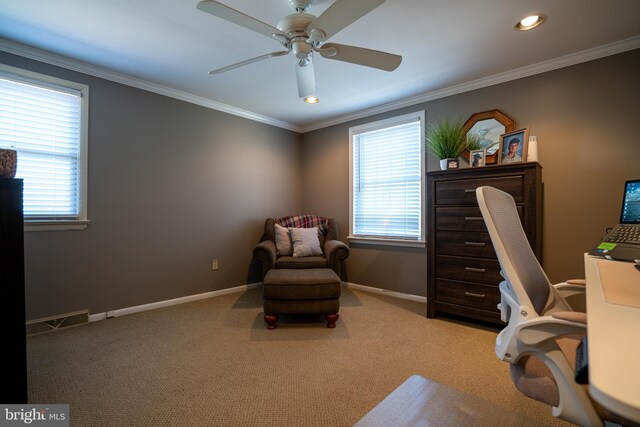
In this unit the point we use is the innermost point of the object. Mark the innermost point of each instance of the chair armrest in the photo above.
(536, 331)
(574, 293)
(574, 285)
(538, 338)
(526, 331)
(335, 251)
(571, 316)
(266, 253)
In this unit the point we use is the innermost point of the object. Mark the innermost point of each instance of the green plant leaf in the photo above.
(446, 139)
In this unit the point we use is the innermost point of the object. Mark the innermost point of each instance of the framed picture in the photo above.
(453, 164)
(513, 146)
(477, 158)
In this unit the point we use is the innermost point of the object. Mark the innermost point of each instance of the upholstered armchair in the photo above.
(275, 251)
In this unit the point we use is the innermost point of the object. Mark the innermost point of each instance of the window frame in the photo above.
(43, 80)
(378, 125)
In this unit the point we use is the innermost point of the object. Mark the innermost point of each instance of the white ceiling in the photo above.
(447, 46)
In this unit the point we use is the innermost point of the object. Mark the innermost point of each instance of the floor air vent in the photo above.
(55, 323)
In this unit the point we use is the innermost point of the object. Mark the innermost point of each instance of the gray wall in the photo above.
(172, 185)
(588, 129)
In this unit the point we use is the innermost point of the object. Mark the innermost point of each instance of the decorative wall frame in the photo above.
(495, 123)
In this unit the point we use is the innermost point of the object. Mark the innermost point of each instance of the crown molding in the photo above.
(518, 73)
(103, 73)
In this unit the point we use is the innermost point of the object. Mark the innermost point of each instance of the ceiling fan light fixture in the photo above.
(303, 34)
(530, 22)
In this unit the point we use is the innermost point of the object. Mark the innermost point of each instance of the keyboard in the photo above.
(625, 234)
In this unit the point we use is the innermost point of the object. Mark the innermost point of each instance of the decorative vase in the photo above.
(8, 163)
(532, 155)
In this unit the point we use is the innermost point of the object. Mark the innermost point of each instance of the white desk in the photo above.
(613, 331)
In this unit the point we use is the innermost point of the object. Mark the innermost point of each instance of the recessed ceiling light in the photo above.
(311, 99)
(530, 22)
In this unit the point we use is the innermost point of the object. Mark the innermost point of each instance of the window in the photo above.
(387, 175)
(45, 120)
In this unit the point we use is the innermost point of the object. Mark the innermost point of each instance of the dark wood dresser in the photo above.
(463, 271)
(13, 352)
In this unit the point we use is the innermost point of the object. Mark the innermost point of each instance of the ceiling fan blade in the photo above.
(248, 61)
(238, 18)
(361, 56)
(341, 14)
(306, 79)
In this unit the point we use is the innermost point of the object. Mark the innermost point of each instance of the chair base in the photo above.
(272, 319)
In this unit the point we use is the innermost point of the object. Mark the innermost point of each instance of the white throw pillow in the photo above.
(284, 245)
(305, 242)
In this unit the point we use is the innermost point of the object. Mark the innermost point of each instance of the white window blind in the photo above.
(43, 122)
(387, 168)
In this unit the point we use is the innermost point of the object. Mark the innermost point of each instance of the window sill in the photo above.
(387, 242)
(53, 225)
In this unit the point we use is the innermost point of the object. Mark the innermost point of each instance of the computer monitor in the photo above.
(630, 212)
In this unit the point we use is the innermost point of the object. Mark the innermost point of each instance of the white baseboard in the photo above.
(381, 291)
(152, 306)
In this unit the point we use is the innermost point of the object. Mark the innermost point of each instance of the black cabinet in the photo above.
(463, 270)
(13, 352)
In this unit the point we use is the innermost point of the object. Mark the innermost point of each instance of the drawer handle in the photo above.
(470, 190)
(475, 270)
(473, 218)
(479, 244)
(471, 294)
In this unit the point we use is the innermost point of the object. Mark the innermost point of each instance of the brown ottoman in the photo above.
(306, 290)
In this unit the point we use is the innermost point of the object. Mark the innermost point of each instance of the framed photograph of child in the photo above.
(513, 146)
(478, 158)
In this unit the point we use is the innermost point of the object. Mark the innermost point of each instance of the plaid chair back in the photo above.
(303, 221)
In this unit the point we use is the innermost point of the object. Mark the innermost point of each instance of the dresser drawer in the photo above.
(478, 270)
(464, 244)
(468, 294)
(459, 219)
(463, 192)
(463, 218)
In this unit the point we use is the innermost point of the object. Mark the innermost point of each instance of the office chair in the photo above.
(543, 330)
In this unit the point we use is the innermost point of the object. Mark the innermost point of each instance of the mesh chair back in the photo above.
(518, 262)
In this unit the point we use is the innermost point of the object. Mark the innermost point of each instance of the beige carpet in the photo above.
(213, 363)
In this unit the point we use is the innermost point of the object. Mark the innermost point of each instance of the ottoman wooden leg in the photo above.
(271, 320)
(331, 319)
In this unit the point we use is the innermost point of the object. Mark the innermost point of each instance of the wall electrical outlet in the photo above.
(214, 264)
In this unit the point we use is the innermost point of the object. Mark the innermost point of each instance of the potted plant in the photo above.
(446, 139)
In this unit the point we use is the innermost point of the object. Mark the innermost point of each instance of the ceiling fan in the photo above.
(304, 34)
